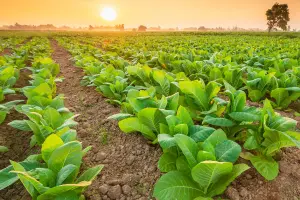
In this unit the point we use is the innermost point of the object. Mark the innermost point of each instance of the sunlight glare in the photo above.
(108, 14)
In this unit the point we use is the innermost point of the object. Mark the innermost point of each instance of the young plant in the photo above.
(273, 133)
(197, 171)
(259, 83)
(45, 122)
(57, 177)
(201, 98)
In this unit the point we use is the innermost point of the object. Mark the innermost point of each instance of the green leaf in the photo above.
(188, 147)
(182, 165)
(45, 176)
(205, 155)
(207, 173)
(279, 94)
(176, 185)
(228, 151)
(7, 178)
(90, 174)
(216, 137)
(3, 149)
(27, 184)
(220, 186)
(266, 166)
(69, 153)
(2, 116)
(152, 117)
(120, 116)
(51, 143)
(251, 143)
(30, 182)
(200, 133)
(133, 124)
(275, 140)
(244, 116)
(181, 129)
(167, 162)
(163, 81)
(166, 141)
(54, 192)
(67, 174)
(216, 121)
(196, 91)
(20, 124)
(184, 116)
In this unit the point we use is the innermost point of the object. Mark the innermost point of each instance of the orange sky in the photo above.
(166, 13)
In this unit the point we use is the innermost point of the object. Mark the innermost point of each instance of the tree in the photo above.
(142, 28)
(120, 27)
(278, 16)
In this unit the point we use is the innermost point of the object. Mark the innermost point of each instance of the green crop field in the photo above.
(168, 116)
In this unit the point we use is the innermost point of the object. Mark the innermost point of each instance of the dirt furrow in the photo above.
(5, 51)
(130, 161)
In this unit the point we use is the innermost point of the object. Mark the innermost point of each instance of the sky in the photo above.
(164, 13)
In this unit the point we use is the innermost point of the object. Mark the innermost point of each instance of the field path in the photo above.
(130, 161)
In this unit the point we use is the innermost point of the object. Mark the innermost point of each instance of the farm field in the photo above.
(133, 115)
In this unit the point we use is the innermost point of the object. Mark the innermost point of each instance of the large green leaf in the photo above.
(167, 162)
(166, 141)
(152, 118)
(266, 166)
(275, 140)
(67, 174)
(69, 153)
(29, 180)
(162, 80)
(228, 151)
(207, 173)
(184, 116)
(217, 121)
(7, 178)
(133, 124)
(20, 124)
(176, 185)
(220, 186)
(205, 155)
(27, 184)
(90, 174)
(51, 143)
(54, 192)
(218, 136)
(196, 91)
(188, 147)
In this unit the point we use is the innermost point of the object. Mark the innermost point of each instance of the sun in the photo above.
(108, 14)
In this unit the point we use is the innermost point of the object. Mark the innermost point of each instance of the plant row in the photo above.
(263, 67)
(54, 173)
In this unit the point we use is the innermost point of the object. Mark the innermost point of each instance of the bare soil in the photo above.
(6, 51)
(130, 161)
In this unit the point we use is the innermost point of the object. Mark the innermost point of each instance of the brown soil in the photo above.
(130, 161)
(6, 51)
(24, 78)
